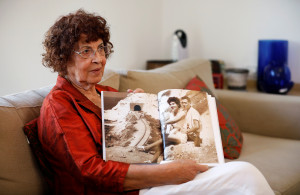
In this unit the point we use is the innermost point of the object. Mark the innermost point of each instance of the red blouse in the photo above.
(69, 129)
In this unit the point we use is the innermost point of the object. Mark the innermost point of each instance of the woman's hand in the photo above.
(176, 172)
(182, 171)
(137, 90)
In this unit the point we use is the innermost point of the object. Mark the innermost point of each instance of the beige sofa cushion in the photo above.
(110, 78)
(19, 172)
(172, 76)
(264, 114)
(276, 158)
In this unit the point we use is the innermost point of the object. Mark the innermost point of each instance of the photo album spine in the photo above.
(216, 127)
(103, 125)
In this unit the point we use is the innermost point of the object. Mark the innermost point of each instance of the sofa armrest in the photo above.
(264, 114)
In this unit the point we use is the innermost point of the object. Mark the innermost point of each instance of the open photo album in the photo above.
(156, 128)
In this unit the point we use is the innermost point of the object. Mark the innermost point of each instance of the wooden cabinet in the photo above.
(152, 64)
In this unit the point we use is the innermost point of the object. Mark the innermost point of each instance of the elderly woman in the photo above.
(69, 126)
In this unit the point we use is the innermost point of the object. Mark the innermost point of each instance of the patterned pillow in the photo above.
(231, 135)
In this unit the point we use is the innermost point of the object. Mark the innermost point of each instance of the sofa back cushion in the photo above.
(19, 170)
(172, 76)
(110, 78)
(20, 174)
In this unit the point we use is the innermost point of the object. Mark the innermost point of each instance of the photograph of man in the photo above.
(192, 121)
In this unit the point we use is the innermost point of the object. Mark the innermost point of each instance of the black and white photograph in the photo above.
(131, 122)
(187, 126)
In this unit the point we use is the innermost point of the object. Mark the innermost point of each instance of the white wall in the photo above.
(142, 30)
(135, 31)
(230, 30)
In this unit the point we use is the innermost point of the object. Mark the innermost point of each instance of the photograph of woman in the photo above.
(174, 131)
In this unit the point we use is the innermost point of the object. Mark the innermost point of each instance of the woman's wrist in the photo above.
(145, 176)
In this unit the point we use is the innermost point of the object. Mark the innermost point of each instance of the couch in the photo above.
(270, 125)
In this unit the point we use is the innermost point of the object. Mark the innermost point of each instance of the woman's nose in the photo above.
(98, 58)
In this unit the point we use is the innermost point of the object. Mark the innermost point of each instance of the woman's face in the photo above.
(86, 72)
(173, 106)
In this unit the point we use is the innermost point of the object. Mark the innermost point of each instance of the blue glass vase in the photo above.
(273, 74)
(277, 78)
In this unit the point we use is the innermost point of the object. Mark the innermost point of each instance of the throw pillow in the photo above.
(30, 130)
(231, 135)
(171, 76)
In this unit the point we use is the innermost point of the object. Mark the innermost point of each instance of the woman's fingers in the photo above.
(137, 90)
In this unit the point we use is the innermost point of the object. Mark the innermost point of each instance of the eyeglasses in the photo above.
(88, 52)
